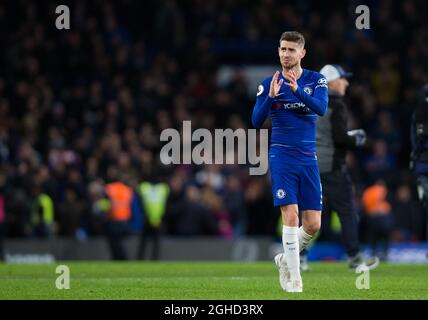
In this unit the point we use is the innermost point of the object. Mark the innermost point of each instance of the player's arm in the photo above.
(339, 127)
(413, 131)
(264, 101)
(413, 141)
(318, 102)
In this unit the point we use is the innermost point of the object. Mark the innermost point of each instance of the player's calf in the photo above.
(311, 220)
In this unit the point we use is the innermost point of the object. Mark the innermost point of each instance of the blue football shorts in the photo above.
(296, 184)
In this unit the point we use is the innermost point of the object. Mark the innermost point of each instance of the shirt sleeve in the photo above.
(262, 106)
(319, 101)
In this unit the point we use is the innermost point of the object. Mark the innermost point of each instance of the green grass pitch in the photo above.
(207, 280)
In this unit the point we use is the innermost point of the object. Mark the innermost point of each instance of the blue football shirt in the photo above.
(293, 116)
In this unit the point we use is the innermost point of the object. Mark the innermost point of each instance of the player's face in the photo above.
(339, 85)
(290, 54)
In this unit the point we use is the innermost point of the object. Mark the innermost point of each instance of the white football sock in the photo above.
(290, 241)
(304, 239)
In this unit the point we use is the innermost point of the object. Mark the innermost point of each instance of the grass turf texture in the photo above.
(207, 280)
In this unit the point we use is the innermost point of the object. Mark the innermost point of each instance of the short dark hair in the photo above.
(293, 36)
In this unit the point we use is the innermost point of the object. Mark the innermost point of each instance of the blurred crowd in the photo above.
(84, 107)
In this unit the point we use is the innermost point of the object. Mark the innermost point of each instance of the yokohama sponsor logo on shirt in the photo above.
(297, 106)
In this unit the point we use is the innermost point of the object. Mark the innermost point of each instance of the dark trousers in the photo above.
(116, 231)
(337, 196)
(379, 228)
(2, 236)
(422, 183)
(153, 233)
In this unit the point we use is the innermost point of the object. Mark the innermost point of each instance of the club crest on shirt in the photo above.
(280, 194)
(308, 90)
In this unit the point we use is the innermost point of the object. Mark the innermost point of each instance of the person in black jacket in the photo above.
(332, 142)
(2, 213)
(419, 155)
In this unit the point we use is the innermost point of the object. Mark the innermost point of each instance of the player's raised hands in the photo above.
(275, 85)
(291, 76)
